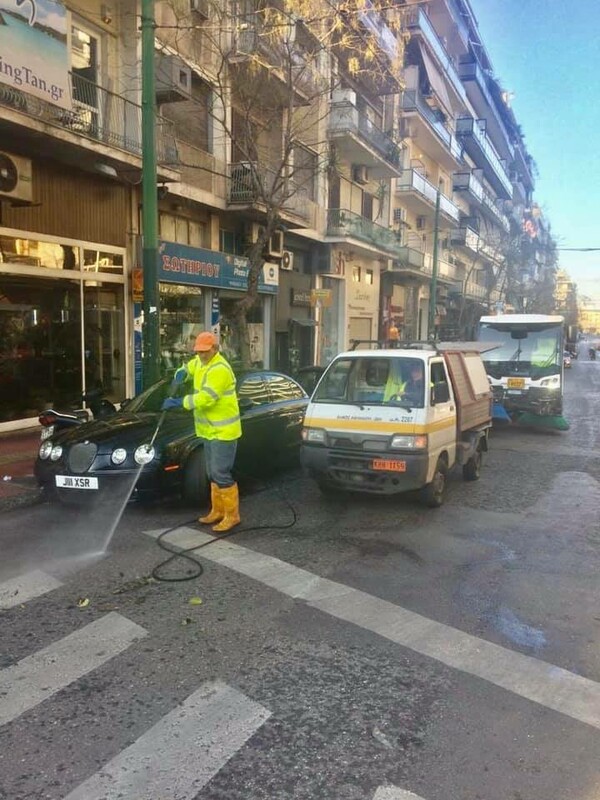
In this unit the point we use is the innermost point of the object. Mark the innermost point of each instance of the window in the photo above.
(438, 373)
(369, 277)
(84, 66)
(252, 392)
(182, 230)
(367, 205)
(282, 388)
(374, 380)
(356, 274)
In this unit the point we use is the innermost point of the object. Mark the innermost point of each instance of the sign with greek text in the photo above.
(179, 263)
(34, 53)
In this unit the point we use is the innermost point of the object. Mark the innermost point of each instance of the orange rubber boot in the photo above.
(217, 510)
(231, 499)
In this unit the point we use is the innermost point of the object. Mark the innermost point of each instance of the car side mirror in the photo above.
(440, 393)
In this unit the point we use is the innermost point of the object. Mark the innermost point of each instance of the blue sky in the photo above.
(548, 55)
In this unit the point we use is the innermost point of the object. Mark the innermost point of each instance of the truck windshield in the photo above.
(534, 352)
(374, 380)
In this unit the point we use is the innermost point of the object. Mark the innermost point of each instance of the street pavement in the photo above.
(350, 649)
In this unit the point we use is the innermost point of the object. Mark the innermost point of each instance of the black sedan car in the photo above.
(105, 455)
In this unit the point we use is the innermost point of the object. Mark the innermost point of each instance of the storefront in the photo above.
(295, 324)
(198, 290)
(63, 327)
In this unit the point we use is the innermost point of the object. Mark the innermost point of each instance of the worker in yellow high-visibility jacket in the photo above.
(217, 422)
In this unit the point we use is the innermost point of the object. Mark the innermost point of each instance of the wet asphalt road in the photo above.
(345, 707)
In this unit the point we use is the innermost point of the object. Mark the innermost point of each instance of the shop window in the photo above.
(32, 253)
(104, 335)
(181, 318)
(369, 277)
(98, 261)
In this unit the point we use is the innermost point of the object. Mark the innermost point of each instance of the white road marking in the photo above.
(25, 587)
(531, 678)
(182, 752)
(39, 676)
(393, 793)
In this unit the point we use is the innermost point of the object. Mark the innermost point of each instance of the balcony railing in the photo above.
(409, 258)
(413, 181)
(248, 184)
(341, 222)
(467, 182)
(469, 127)
(465, 237)
(346, 118)
(471, 71)
(418, 19)
(492, 203)
(445, 268)
(412, 101)
(201, 170)
(96, 114)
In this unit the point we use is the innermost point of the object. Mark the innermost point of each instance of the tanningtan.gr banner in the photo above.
(34, 49)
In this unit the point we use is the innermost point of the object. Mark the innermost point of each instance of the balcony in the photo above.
(469, 183)
(249, 186)
(446, 272)
(359, 141)
(347, 224)
(417, 22)
(409, 262)
(484, 103)
(465, 238)
(203, 177)
(479, 147)
(437, 140)
(420, 195)
(97, 116)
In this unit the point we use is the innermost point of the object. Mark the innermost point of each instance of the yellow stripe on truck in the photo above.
(376, 426)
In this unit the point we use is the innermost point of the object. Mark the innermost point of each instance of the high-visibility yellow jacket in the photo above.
(214, 402)
(395, 386)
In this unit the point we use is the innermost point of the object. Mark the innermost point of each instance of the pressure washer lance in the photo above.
(172, 392)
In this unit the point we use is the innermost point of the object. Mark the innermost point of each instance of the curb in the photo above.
(29, 496)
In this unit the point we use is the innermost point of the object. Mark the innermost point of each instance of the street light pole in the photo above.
(434, 269)
(151, 329)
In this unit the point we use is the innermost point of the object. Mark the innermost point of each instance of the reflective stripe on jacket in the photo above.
(214, 402)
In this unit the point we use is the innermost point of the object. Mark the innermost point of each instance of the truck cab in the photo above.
(392, 420)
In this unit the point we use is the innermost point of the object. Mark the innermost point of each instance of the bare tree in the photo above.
(272, 69)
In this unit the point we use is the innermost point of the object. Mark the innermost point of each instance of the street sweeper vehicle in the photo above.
(526, 369)
(387, 421)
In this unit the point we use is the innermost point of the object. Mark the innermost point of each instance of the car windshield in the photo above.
(536, 353)
(374, 380)
(149, 401)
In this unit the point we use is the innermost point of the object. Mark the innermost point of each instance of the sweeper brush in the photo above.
(554, 422)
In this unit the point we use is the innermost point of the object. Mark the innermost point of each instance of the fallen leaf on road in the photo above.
(195, 601)
(83, 602)
(187, 621)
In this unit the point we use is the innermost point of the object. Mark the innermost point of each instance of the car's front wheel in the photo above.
(195, 479)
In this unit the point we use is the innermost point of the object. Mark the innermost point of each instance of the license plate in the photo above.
(389, 466)
(516, 383)
(47, 433)
(71, 482)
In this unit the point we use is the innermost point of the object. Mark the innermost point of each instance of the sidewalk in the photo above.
(18, 451)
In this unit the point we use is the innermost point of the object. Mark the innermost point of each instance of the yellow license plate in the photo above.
(516, 383)
(388, 465)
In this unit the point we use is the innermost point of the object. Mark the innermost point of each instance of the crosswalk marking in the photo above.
(25, 587)
(46, 672)
(536, 680)
(393, 793)
(182, 752)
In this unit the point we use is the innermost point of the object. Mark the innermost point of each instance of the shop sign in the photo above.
(300, 297)
(137, 285)
(321, 297)
(34, 53)
(179, 263)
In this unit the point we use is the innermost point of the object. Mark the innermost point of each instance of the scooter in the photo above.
(592, 353)
(53, 421)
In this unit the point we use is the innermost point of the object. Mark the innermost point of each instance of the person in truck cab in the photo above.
(414, 387)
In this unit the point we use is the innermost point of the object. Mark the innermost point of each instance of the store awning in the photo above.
(305, 322)
(436, 81)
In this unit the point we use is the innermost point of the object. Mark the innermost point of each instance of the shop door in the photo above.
(104, 338)
(359, 328)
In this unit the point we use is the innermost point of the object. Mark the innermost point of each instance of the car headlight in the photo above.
(314, 435)
(551, 383)
(118, 456)
(409, 442)
(45, 450)
(144, 454)
(56, 452)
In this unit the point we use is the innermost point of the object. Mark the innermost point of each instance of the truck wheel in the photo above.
(472, 469)
(433, 494)
(195, 479)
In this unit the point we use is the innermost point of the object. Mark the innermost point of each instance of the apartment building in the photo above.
(70, 162)
(340, 140)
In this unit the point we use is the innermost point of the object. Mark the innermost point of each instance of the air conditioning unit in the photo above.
(201, 8)
(360, 174)
(421, 223)
(173, 79)
(287, 260)
(399, 215)
(15, 178)
(276, 244)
